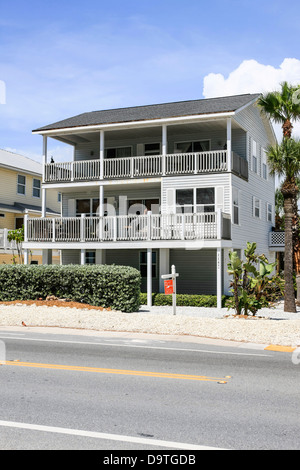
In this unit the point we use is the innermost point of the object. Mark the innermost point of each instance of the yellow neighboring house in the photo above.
(20, 193)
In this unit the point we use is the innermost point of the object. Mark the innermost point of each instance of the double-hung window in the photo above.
(205, 199)
(269, 212)
(195, 200)
(21, 185)
(36, 188)
(256, 207)
(254, 156)
(236, 206)
(184, 201)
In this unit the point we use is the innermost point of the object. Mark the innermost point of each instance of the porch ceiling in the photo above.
(145, 133)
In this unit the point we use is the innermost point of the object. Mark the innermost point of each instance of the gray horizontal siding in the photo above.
(197, 271)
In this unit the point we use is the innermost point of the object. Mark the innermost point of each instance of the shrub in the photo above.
(117, 287)
(183, 300)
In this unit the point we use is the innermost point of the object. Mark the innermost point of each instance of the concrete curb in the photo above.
(151, 336)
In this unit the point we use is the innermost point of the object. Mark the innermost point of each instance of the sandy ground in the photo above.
(272, 326)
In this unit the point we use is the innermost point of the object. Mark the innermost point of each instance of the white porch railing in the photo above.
(4, 243)
(200, 226)
(138, 167)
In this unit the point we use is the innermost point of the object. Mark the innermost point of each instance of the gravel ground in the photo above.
(272, 326)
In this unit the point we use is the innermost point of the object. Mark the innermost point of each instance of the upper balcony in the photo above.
(214, 161)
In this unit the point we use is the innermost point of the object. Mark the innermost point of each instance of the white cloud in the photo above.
(252, 77)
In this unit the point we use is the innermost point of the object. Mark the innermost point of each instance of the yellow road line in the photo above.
(115, 371)
(275, 347)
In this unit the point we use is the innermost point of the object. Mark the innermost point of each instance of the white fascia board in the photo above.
(105, 182)
(133, 245)
(124, 125)
(20, 170)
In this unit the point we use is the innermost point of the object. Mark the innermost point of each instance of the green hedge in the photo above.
(117, 287)
(183, 300)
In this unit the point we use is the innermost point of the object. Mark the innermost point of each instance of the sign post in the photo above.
(170, 286)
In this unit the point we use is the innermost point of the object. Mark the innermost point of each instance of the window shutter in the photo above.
(72, 208)
(219, 198)
(171, 201)
(140, 150)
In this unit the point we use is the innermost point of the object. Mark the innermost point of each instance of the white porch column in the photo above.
(149, 277)
(101, 155)
(26, 257)
(229, 146)
(164, 148)
(44, 155)
(219, 277)
(164, 266)
(82, 256)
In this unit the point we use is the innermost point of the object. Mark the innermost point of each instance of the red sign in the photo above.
(169, 287)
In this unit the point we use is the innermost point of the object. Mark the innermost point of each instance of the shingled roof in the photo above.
(154, 111)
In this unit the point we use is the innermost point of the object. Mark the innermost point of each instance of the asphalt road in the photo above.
(64, 391)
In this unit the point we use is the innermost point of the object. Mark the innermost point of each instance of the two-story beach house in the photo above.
(178, 183)
(20, 194)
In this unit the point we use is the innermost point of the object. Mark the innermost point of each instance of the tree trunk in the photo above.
(289, 295)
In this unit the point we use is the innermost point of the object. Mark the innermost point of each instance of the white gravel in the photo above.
(271, 326)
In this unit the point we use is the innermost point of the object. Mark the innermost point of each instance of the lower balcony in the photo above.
(148, 227)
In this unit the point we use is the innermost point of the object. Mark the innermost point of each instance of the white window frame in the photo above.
(22, 185)
(264, 165)
(36, 188)
(88, 256)
(191, 142)
(194, 206)
(116, 148)
(270, 212)
(254, 162)
(256, 205)
(236, 205)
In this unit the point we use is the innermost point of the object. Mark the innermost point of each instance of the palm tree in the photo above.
(284, 160)
(282, 107)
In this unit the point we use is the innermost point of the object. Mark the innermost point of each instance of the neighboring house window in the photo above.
(58, 197)
(21, 184)
(19, 222)
(2, 216)
(269, 212)
(236, 206)
(143, 263)
(256, 207)
(118, 152)
(188, 147)
(90, 257)
(36, 188)
(205, 199)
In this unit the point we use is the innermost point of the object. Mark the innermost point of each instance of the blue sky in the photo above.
(62, 58)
